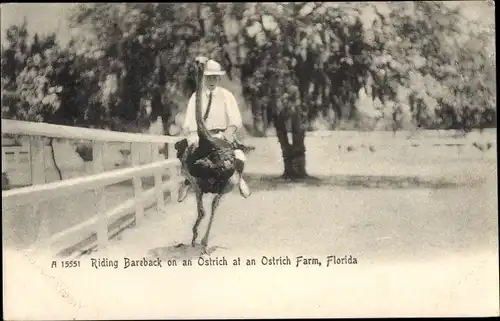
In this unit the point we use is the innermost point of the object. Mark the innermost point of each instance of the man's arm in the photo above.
(233, 114)
(189, 127)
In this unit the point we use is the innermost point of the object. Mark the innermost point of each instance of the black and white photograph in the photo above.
(249, 160)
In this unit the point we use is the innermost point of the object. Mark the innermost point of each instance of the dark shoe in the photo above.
(184, 190)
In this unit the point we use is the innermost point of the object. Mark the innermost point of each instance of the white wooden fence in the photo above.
(98, 224)
(15, 151)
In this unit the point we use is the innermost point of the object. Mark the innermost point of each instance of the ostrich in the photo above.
(211, 167)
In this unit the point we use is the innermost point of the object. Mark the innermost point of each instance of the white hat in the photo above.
(213, 68)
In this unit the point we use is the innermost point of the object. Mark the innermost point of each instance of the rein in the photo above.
(208, 107)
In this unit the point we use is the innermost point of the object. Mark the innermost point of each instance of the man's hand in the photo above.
(229, 133)
(193, 140)
(219, 135)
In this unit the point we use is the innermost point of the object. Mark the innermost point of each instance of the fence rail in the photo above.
(99, 224)
(16, 127)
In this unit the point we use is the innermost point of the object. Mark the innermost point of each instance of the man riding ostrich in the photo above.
(211, 158)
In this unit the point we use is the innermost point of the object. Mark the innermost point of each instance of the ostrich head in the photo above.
(199, 63)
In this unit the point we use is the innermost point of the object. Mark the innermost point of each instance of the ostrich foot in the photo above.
(204, 246)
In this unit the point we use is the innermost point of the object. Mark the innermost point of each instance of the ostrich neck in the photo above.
(203, 132)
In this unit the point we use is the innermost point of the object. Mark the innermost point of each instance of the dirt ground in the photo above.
(421, 224)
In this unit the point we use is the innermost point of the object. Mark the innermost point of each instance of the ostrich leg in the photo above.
(197, 190)
(201, 214)
(215, 204)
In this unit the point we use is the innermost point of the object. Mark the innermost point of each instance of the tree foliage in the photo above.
(29, 76)
(312, 47)
(432, 60)
(132, 63)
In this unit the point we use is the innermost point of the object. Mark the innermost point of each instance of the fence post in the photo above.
(174, 172)
(17, 157)
(171, 152)
(102, 221)
(139, 208)
(160, 202)
(37, 164)
(4, 169)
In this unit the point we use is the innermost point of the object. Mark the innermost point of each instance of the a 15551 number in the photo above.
(70, 264)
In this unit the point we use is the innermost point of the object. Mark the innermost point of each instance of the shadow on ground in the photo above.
(180, 251)
(260, 182)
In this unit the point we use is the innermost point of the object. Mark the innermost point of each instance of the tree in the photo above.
(146, 53)
(429, 57)
(296, 62)
(31, 81)
(300, 59)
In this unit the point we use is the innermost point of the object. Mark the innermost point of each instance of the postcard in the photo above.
(249, 160)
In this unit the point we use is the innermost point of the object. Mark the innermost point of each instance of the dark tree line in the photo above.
(295, 62)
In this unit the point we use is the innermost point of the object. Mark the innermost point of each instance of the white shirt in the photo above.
(224, 111)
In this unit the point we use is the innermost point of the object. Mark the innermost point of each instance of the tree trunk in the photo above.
(258, 121)
(54, 159)
(265, 124)
(294, 155)
(295, 163)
